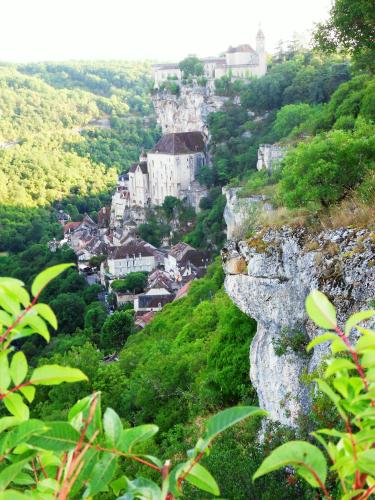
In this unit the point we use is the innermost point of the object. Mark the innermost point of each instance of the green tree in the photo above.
(321, 171)
(95, 316)
(90, 293)
(116, 330)
(171, 203)
(133, 282)
(191, 66)
(350, 27)
(290, 117)
(69, 309)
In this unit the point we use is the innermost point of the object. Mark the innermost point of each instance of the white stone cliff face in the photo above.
(188, 111)
(239, 210)
(269, 276)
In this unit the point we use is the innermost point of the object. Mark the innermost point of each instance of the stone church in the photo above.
(238, 62)
(169, 169)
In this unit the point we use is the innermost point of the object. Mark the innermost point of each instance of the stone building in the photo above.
(139, 183)
(238, 62)
(134, 256)
(170, 169)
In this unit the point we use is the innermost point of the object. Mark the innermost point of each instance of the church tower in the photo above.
(261, 51)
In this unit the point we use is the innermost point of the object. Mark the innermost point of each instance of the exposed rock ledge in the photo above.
(269, 277)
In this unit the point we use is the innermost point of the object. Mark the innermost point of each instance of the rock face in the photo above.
(270, 155)
(188, 111)
(282, 267)
(238, 211)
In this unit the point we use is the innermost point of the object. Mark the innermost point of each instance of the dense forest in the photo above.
(66, 131)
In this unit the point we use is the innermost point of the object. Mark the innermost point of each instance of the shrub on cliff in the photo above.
(328, 168)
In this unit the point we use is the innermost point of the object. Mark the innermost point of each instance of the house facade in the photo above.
(134, 256)
(169, 169)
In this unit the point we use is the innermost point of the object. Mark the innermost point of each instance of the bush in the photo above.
(321, 171)
(133, 282)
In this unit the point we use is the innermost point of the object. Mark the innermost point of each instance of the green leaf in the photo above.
(357, 318)
(6, 422)
(304, 457)
(9, 302)
(102, 474)
(112, 427)
(46, 312)
(4, 372)
(320, 310)
(11, 472)
(231, 416)
(368, 360)
(337, 365)
(366, 462)
(202, 479)
(42, 280)
(17, 292)
(365, 343)
(16, 406)
(131, 437)
(36, 323)
(56, 374)
(60, 436)
(141, 488)
(5, 318)
(118, 485)
(333, 396)
(338, 345)
(18, 368)
(13, 495)
(22, 433)
(28, 392)
(5, 280)
(320, 340)
(23, 479)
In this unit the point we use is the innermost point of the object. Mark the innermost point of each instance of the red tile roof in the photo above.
(71, 225)
(145, 319)
(184, 290)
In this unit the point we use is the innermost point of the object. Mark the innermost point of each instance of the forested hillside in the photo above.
(65, 133)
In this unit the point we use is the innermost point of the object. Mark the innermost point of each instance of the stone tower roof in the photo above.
(180, 143)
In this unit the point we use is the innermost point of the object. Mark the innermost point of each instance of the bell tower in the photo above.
(260, 41)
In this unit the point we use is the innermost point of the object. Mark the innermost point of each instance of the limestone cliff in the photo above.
(269, 277)
(239, 210)
(188, 111)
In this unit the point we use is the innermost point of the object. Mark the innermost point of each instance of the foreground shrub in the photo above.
(78, 458)
(349, 383)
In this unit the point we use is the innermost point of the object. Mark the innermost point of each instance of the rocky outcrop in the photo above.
(269, 156)
(188, 111)
(239, 211)
(269, 277)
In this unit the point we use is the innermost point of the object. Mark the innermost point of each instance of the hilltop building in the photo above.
(169, 169)
(238, 62)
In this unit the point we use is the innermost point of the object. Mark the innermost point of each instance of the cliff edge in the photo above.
(269, 276)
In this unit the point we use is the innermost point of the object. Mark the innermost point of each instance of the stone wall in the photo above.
(269, 276)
